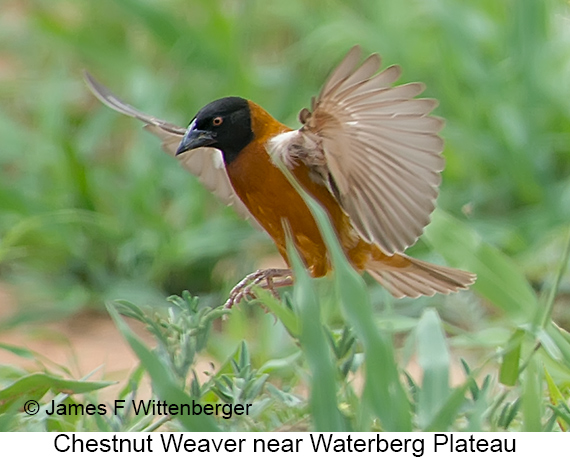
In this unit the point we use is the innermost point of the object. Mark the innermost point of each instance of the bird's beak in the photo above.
(194, 138)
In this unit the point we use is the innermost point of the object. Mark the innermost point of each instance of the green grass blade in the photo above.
(449, 411)
(35, 386)
(509, 371)
(434, 359)
(561, 339)
(554, 290)
(532, 398)
(313, 340)
(556, 398)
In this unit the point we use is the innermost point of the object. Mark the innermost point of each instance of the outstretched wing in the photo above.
(380, 147)
(206, 163)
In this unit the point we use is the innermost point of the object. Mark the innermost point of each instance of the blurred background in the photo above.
(91, 209)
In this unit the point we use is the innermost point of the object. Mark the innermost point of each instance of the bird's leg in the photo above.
(270, 279)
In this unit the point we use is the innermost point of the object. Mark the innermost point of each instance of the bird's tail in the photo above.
(408, 277)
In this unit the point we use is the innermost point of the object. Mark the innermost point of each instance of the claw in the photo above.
(265, 278)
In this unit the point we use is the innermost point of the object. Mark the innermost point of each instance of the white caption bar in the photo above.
(389, 444)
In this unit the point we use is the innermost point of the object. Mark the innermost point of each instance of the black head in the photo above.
(224, 124)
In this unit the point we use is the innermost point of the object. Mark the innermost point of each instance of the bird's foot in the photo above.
(269, 279)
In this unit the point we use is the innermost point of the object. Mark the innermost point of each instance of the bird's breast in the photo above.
(273, 202)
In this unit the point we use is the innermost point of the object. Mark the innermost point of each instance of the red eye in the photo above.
(217, 121)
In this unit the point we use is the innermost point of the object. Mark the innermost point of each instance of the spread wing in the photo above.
(380, 147)
(206, 163)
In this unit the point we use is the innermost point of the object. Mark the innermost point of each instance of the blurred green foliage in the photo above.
(93, 211)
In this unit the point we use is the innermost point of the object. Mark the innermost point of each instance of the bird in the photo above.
(367, 150)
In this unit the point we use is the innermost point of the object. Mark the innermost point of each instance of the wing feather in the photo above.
(205, 163)
(397, 226)
(343, 71)
(380, 146)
